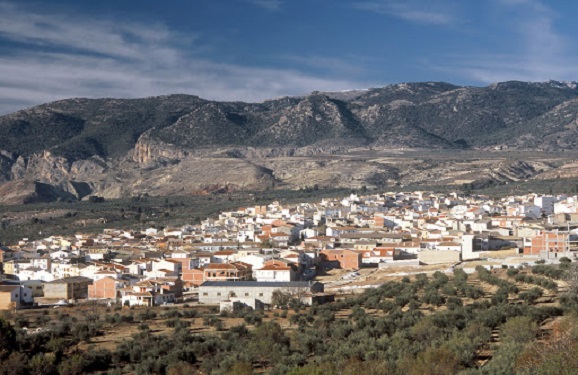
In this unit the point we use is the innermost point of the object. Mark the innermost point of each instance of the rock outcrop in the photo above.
(148, 150)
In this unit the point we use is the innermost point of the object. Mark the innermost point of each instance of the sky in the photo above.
(253, 50)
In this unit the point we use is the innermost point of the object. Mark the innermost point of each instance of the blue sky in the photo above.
(252, 50)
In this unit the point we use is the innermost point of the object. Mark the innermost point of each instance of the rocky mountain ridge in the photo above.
(182, 144)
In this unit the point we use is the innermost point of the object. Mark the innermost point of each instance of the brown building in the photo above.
(378, 221)
(553, 242)
(195, 276)
(107, 287)
(14, 296)
(340, 258)
(235, 271)
(69, 288)
(185, 263)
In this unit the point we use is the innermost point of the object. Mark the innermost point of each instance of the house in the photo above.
(60, 254)
(195, 276)
(96, 254)
(187, 263)
(69, 288)
(171, 285)
(15, 297)
(340, 258)
(151, 293)
(204, 258)
(255, 260)
(155, 274)
(279, 239)
(7, 254)
(104, 273)
(506, 221)
(555, 242)
(172, 265)
(409, 247)
(36, 274)
(227, 271)
(179, 254)
(106, 287)
(364, 245)
(277, 270)
(308, 233)
(37, 287)
(224, 256)
(379, 255)
(13, 267)
(138, 267)
(546, 204)
(63, 269)
(44, 262)
(214, 292)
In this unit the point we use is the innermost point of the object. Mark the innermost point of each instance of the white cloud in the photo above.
(63, 56)
(436, 12)
(536, 51)
(499, 68)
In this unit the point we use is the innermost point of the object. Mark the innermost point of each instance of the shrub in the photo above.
(146, 315)
(512, 272)
(519, 329)
(531, 295)
(255, 319)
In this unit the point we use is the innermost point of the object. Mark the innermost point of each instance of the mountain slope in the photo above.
(80, 128)
(98, 141)
(406, 115)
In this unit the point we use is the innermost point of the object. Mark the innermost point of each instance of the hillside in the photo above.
(519, 321)
(113, 145)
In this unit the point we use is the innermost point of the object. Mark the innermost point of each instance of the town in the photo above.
(243, 257)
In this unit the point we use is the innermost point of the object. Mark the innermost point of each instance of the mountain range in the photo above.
(183, 144)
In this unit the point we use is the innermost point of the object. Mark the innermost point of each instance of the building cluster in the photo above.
(253, 248)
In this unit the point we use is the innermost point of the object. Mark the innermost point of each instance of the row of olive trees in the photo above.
(424, 325)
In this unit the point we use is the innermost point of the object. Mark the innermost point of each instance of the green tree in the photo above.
(74, 365)
(15, 364)
(519, 329)
(42, 364)
(7, 338)
(433, 361)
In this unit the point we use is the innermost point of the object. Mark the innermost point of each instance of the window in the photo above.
(218, 293)
(205, 294)
(246, 294)
(260, 294)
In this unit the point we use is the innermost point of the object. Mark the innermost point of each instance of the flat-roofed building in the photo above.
(68, 288)
(214, 292)
(14, 296)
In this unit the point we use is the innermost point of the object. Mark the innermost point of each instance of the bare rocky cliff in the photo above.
(148, 150)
